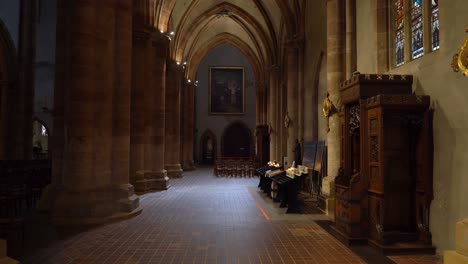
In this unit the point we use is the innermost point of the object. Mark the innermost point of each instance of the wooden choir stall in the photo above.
(384, 187)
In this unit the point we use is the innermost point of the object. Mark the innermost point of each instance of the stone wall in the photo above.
(224, 55)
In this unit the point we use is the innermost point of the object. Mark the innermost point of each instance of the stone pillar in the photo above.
(300, 90)
(148, 97)
(335, 74)
(383, 60)
(351, 53)
(20, 99)
(142, 94)
(291, 118)
(260, 102)
(159, 173)
(174, 80)
(4, 259)
(187, 126)
(93, 50)
(273, 109)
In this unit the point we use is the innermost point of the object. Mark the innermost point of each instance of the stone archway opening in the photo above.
(236, 141)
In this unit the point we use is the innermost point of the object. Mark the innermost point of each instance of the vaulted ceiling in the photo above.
(256, 27)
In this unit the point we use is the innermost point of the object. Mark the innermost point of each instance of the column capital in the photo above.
(274, 68)
(158, 38)
(141, 35)
(175, 66)
(295, 42)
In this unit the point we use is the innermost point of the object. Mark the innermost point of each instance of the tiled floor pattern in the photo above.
(201, 219)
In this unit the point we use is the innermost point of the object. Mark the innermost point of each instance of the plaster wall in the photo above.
(315, 69)
(9, 15)
(433, 76)
(224, 55)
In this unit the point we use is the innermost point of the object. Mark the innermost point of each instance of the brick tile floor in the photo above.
(201, 219)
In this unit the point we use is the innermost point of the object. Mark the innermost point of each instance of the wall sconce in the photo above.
(460, 60)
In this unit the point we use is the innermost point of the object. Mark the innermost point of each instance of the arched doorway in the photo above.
(208, 147)
(236, 140)
(40, 139)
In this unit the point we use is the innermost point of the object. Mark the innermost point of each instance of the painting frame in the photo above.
(225, 84)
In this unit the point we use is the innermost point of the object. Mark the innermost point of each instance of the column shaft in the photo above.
(335, 74)
(161, 44)
(273, 109)
(83, 190)
(188, 126)
(174, 79)
(351, 58)
(292, 103)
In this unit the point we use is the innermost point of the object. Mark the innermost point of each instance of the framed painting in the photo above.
(226, 92)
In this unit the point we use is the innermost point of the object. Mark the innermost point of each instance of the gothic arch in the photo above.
(239, 125)
(225, 38)
(8, 76)
(208, 134)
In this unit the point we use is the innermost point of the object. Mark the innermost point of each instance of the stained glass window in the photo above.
(417, 29)
(399, 32)
(435, 24)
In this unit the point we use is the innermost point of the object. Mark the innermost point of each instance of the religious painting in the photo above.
(226, 92)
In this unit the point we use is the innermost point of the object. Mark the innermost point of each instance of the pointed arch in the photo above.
(225, 38)
(209, 16)
(227, 136)
(8, 96)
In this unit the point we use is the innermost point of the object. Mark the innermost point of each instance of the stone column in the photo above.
(188, 126)
(291, 118)
(300, 91)
(159, 174)
(147, 133)
(174, 79)
(272, 111)
(335, 74)
(351, 57)
(21, 99)
(93, 41)
(260, 102)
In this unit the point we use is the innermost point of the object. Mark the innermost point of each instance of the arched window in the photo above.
(399, 32)
(415, 25)
(417, 45)
(435, 24)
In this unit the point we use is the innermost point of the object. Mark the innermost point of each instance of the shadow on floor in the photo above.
(367, 253)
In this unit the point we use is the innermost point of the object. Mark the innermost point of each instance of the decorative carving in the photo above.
(354, 119)
(374, 148)
(460, 60)
(287, 120)
(328, 109)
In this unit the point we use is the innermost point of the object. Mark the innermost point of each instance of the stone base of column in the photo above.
(145, 181)
(89, 207)
(188, 166)
(173, 170)
(326, 205)
(452, 257)
(4, 259)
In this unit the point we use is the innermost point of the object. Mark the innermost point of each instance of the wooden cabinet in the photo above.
(383, 188)
(396, 167)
